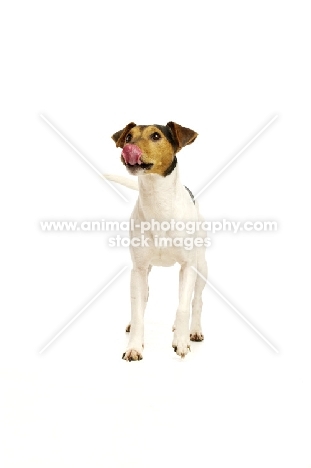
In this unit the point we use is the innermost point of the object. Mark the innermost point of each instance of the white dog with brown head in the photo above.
(149, 151)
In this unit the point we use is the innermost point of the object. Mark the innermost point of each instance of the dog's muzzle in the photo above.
(131, 154)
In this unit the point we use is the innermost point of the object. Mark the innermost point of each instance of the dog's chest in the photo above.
(158, 244)
(162, 200)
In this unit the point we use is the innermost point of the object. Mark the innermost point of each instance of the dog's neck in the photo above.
(158, 194)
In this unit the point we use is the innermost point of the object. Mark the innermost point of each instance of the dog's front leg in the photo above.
(139, 295)
(181, 340)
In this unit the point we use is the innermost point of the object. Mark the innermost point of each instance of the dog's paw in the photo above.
(132, 355)
(181, 347)
(196, 336)
(128, 328)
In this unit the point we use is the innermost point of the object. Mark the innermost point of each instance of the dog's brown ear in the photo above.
(119, 137)
(182, 136)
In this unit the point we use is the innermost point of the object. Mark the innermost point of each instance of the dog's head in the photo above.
(151, 149)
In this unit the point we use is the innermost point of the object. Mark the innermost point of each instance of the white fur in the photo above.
(163, 199)
(126, 181)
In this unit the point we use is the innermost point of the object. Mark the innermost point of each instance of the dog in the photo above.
(149, 152)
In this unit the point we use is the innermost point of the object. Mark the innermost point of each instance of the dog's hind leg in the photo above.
(195, 327)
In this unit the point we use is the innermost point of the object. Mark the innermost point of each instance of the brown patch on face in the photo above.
(159, 145)
(156, 149)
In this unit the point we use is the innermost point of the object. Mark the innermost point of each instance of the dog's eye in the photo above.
(155, 136)
(128, 138)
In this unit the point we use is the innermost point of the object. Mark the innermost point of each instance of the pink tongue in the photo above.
(131, 154)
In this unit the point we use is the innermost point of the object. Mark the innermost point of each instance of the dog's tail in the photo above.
(126, 181)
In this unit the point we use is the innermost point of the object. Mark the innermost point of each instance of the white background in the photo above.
(223, 69)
